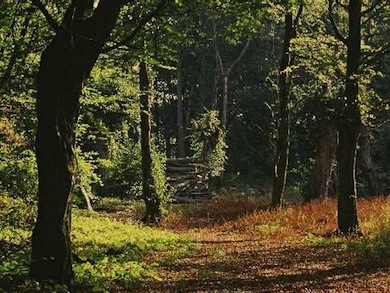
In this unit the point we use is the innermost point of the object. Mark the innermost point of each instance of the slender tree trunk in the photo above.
(87, 200)
(366, 165)
(180, 112)
(321, 174)
(283, 134)
(64, 66)
(152, 201)
(225, 101)
(349, 126)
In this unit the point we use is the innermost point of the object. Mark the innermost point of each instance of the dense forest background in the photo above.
(191, 48)
(258, 93)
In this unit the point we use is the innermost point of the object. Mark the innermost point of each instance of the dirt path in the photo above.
(233, 262)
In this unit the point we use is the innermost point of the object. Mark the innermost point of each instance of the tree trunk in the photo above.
(283, 139)
(366, 165)
(180, 112)
(225, 101)
(321, 174)
(349, 126)
(152, 201)
(87, 200)
(64, 66)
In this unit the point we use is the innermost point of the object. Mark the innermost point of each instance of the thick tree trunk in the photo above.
(366, 165)
(65, 64)
(57, 107)
(346, 161)
(349, 126)
(152, 201)
(321, 174)
(283, 134)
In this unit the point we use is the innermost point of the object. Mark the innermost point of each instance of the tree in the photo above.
(225, 72)
(149, 194)
(65, 64)
(350, 122)
(284, 84)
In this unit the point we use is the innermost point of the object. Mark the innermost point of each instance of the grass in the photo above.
(112, 255)
(119, 255)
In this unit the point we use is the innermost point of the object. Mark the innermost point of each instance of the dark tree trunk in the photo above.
(365, 164)
(152, 201)
(349, 126)
(283, 134)
(65, 64)
(321, 174)
(180, 112)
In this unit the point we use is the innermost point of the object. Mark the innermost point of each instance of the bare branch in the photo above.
(138, 28)
(49, 18)
(336, 30)
(372, 57)
(242, 53)
(217, 54)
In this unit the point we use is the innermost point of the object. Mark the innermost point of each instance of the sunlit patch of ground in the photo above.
(243, 247)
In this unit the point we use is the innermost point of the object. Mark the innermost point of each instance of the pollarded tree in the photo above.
(65, 64)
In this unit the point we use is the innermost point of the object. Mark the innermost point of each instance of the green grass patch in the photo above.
(114, 252)
(112, 256)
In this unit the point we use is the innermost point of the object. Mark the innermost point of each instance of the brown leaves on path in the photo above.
(262, 251)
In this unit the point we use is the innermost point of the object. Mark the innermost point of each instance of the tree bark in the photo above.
(321, 174)
(366, 165)
(348, 127)
(152, 201)
(64, 66)
(180, 111)
(283, 134)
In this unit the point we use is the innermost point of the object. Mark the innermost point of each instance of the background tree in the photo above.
(284, 87)
(350, 120)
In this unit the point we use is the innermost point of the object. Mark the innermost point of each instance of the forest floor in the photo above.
(243, 248)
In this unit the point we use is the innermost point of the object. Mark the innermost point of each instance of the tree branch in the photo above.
(375, 55)
(217, 54)
(49, 18)
(336, 30)
(138, 28)
(299, 14)
(242, 53)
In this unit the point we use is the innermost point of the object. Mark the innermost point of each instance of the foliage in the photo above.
(18, 172)
(117, 259)
(123, 170)
(208, 142)
(110, 255)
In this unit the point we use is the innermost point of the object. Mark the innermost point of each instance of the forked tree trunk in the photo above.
(152, 201)
(321, 174)
(64, 66)
(349, 126)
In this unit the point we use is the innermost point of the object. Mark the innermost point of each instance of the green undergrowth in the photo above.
(113, 253)
(108, 255)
